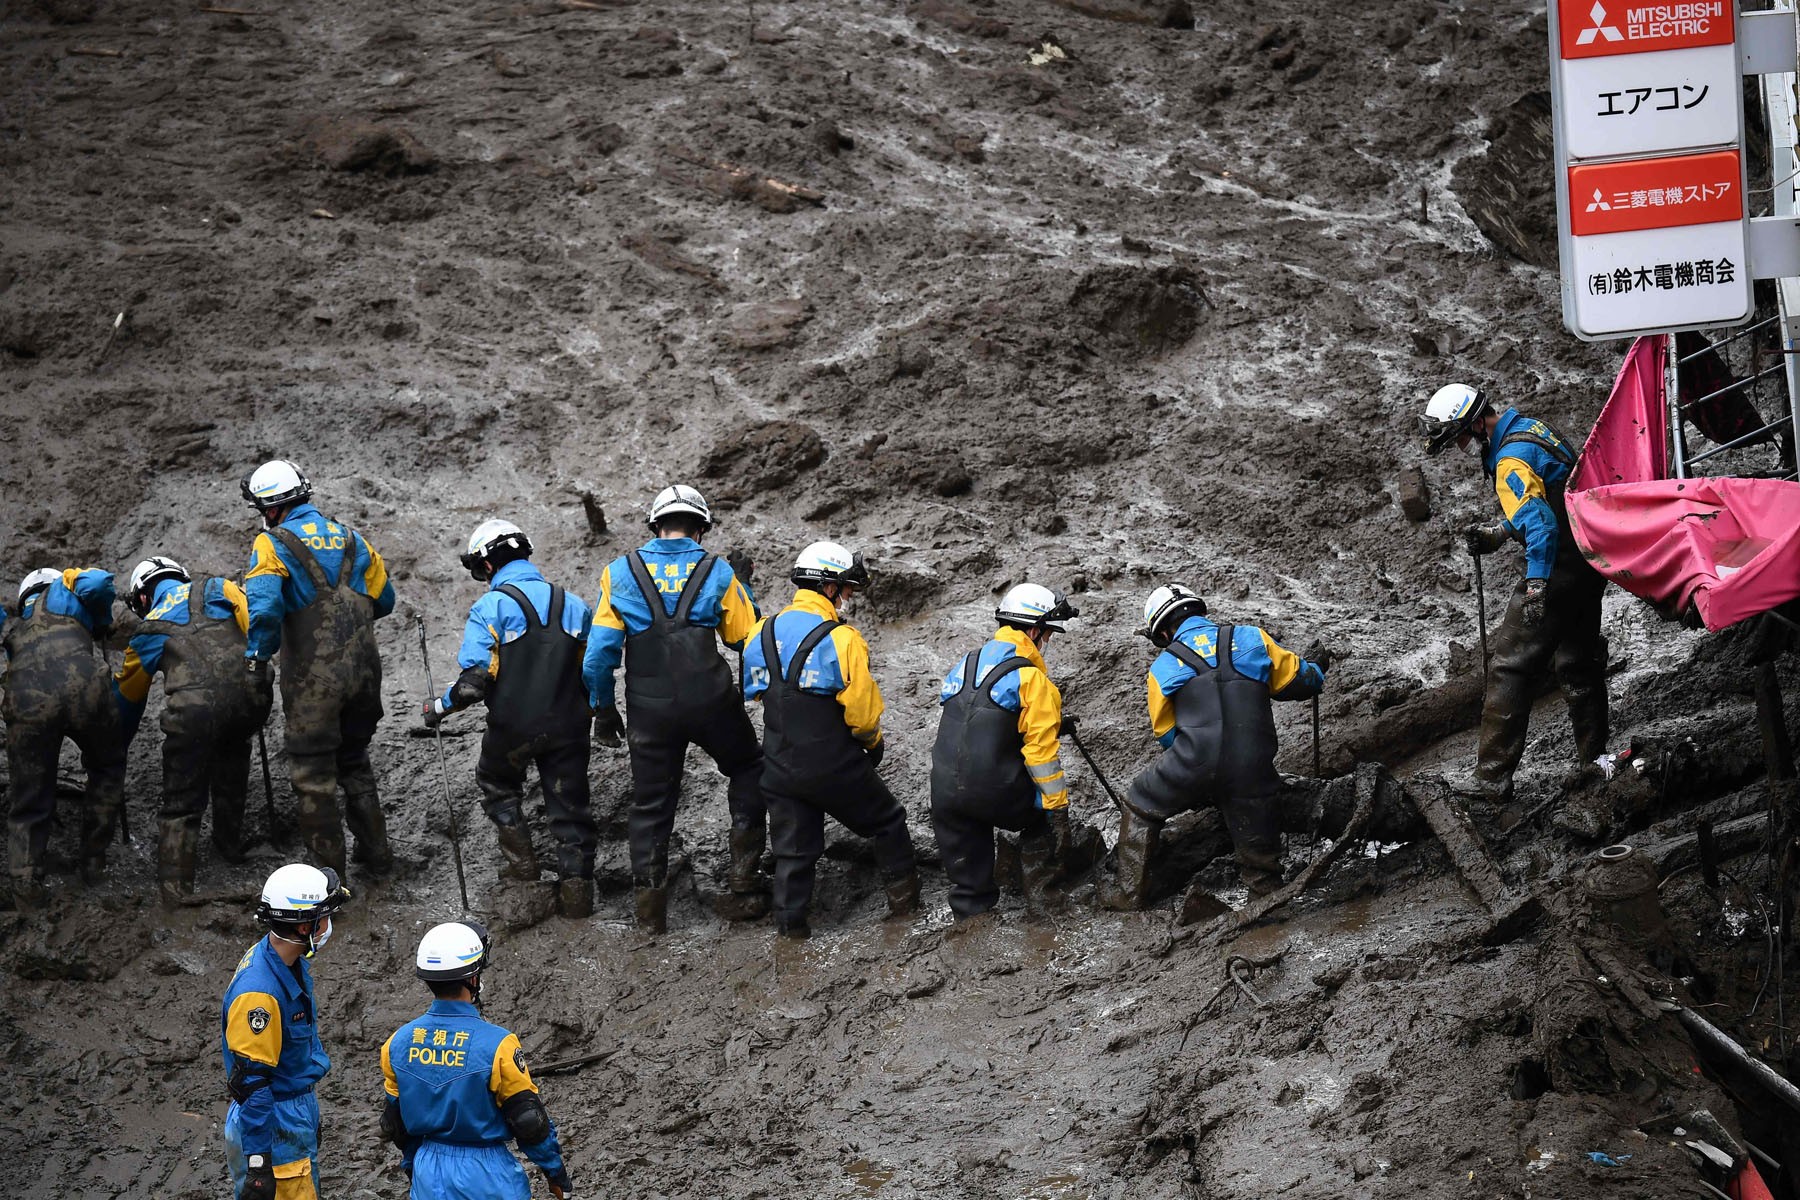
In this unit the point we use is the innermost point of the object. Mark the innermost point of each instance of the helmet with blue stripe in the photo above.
(453, 951)
(1034, 606)
(1453, 411)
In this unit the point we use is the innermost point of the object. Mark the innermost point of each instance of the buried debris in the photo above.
(738, 183)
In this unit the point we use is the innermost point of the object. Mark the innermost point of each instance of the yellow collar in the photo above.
(808, 601)
(1017, 639)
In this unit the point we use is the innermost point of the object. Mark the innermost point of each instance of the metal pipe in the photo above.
(1095, 767)
(1672, 387)
(1740, 384)
(1734, 443)
(444, 774)
(1704, 1031)
(1746, 332)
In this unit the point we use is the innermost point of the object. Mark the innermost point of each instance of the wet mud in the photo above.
(1099, 293)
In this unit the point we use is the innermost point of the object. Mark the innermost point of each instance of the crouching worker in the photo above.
(997, 760)
(521, 655)
(1209, 695)
(458, 1089)
(822, 737)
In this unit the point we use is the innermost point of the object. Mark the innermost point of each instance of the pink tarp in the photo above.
(1728, 548)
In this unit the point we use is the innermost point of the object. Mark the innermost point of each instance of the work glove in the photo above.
(875, 753)
(262, 678)
(1062, 838)
(1067, 728)
(432, 711)
(1319, 656)
(560, 1185)
(259, 1179)
(742, 565)
(609, 726)
(1532, 611)
(1484, 539)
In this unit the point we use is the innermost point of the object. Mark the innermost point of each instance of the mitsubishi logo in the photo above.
(1600, 28)
(1597, 204)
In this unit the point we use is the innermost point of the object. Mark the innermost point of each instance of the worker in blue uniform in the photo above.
(1209, 694)
(521, 656)
(192, 632)
(269, 1029)
(316, 588)
(58, 686)
(1552, 621)
(663, 609)
(458, 1088)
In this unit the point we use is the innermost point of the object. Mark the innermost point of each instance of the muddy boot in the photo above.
(1260, 870)
(25, 856)
(93, 870)
(177, 848)
(793, 927)
(515, 847)
(748, 899)
(653, 905)
(1129, 889)
(1039, 871)
(903, 895)
(575, 897)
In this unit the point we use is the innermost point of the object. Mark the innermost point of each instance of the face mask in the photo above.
(316, 941)
(1477, 448)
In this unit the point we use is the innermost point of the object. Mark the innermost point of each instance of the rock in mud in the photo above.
(762, 458)
(1164, 14)
(959, 19)
(359, 144)
(764, 326)
(1510, 191)
(1139, 310)
(1415, 496)
(522, 905)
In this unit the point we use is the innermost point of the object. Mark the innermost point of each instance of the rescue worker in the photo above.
(316, 588)
(193, 632)
(521, 655)
(1553, 618)
(997, 760)
(822, 737)
(663, 608)
(458, 1088)
(1209, 699)
(269, 1027)
(58, 686)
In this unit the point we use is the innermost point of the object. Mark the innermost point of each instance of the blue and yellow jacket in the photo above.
(276, 585)
(1030, 693)
(1253, 652)
(450, 1071)
(496, 619)
(85, 593)
(143, 656)
(724, 603)
(270, 1038)
(839, 666)
(1523, 473)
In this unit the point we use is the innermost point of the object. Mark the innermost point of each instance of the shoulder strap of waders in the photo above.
(1193, 657)
(808, 644)
(640, 571)
(1000, 670)
(690, 589)
(532, 624)
(308, 562)
(1560, 452)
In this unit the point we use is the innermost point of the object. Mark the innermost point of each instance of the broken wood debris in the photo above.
(664, 257)
(738, 183)
(95, 52)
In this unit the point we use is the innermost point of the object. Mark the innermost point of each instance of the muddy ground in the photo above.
(991, 291)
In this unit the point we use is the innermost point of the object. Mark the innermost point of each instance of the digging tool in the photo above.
(262, 748)
(1481, 611)
(444, 773)
(1095, 767)
(1318, 770)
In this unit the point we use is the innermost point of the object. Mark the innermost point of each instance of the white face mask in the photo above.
(316, 940)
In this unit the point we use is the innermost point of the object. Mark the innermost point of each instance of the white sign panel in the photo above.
(1649, 103)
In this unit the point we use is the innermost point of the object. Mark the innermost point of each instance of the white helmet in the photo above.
(37, 581)
(1164, 606)
(276, 483)
(680, 498)
(489, 536)
(1034, 606)
(828, 562)
(299, 893)
(455, 950)
(1452, 412)
(145, 574)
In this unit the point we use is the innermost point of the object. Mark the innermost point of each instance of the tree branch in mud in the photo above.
(739, 183)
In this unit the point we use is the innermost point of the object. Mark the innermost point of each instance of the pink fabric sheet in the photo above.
(1728, 548)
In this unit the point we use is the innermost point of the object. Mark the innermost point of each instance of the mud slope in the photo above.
(988, 290)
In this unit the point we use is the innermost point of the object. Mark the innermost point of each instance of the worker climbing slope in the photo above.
(1553, 618)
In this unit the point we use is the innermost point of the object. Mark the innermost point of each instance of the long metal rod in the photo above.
(1704, 1031)
(1095, 768)
(1672, 385)
(262, 747)
(1737, 386)
(1742, 333)
(1481, 615)
(1734, 443)
(444, 773)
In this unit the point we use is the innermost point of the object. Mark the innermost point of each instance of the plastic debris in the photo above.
(1606, 1160)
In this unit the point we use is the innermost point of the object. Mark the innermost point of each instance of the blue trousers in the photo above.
(445, 1171)
(295, 1150)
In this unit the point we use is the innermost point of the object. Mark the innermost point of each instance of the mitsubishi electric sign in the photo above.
(1650, 181)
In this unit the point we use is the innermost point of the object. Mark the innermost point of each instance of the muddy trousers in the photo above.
(562, 766)
(32, 750)
(199, 766)
(1567, 641)
(860, 802)
(659, 743)
(328, 748)
(964, 827)
(1250, 808)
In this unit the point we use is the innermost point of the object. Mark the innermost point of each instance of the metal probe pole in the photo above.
(262, 746)
(437, 736)
(1095, 767)
(1481, 611)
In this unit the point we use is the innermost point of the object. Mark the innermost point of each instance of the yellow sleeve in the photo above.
(1162, 709)
(243, 1039)
(737, 615)
(132, 680)
(375, 579)
(509, 1077)
(1040, 721)
(240, 606)
(1510, 501)
(1284, 665)
(264, 560)
(604, 616)
(387, 1068)
(861, 697)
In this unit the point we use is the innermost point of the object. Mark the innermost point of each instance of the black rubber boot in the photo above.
(1129, 890)
(903, 895)
(794, 927)
(515, 846)
(575, 897)
(1039, 869)
(653, 905)
(177, 848)
(748, 899)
